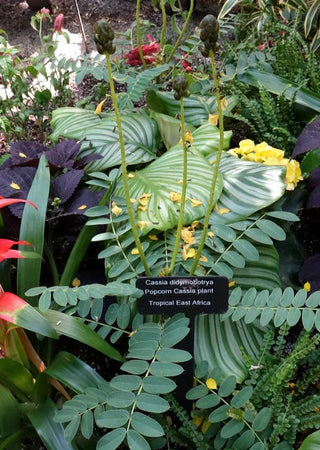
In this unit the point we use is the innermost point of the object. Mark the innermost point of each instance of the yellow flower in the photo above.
(142, 224)
(143, 208)
(245, 146)
(307, 286)
(203, 258)
(134, 251)
(115, 209)
(194, 224)
(211, 384)
(82, 207)
(213, 119)
(211, 234)
(130, 175)
(293, 174)
(175, 196)
(164, 272)
(188, 138)
(187, 236)
(76, 282)
(22, 155)
(188, 252)
(99, 107)
(144, 199)
(180, 181)
(153, 237)
(231, 283)
(195, 202)
(133, 200)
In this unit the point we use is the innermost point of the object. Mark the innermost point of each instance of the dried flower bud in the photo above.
(209, 34)
(58, 23)
(180, 86)
(103, 37)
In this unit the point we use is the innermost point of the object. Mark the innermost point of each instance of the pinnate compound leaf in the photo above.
(241, 397)
(145, 425)
(112, 440)
(136, 441)
(271, 229)
(152, 403)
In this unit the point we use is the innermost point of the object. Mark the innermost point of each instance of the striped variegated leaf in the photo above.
(100, 134)
(247, 188)
(162, 178)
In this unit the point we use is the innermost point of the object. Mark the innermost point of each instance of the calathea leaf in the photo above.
(158, 186)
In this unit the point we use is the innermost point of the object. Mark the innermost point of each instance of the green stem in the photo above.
(164, 23)
(52, 263)
(216, 167)
(124, 170)
(183, 192)
(184, 29)
(139, 34)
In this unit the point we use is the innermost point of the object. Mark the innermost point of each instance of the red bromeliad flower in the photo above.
(6, 251)
(149, 51)
(9, 201)
(10, 304)
(57, 26)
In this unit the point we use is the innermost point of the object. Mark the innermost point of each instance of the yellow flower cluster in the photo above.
(264, 153)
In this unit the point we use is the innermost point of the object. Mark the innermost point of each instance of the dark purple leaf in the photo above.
(63, 155)
(26, 153)
(82, 162)
(310, 272)
(16, 183)
(308, 139)
(63, 186)
(82, 200)
(313, 200)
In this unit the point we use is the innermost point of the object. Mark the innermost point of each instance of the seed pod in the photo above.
(209, 34)
(103, 37)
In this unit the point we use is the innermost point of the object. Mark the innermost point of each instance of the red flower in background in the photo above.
(58, 23)
(149, 51)
(186, 64)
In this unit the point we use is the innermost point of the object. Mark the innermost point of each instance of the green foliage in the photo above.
(121, 406)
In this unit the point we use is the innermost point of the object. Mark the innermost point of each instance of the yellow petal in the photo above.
(142, 224)
(187, 235)
(213, 119)
(22, 155)
(197, 420)
(134, 251)
(223, 211)
(143, 208)
(132, 333)
(15, 186)
(212, 161)
(76, 282)
(99, 107)
(191, 253)
(153, 237)
(232, 283)
(180, 181)
(82, 207)
(224, 103)
(144, 199)
(130, 175)
(206, 424)
(195, 202)
(175, 196)
(211, 234)
(307, 286)
(164, 272)
(203, 258)
(216, 207)
(115, 209)
(133, 200)
(211, 383)
(188, 138)
(195, 223)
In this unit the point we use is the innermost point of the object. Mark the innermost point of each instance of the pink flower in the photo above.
(186, 64)
(149, 52)
(44, 11)
(57, 26)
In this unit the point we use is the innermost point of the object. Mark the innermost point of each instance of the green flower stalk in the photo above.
(139, 35)
(209, 35)
(103, 38)
(164, 23)
(180, 85)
